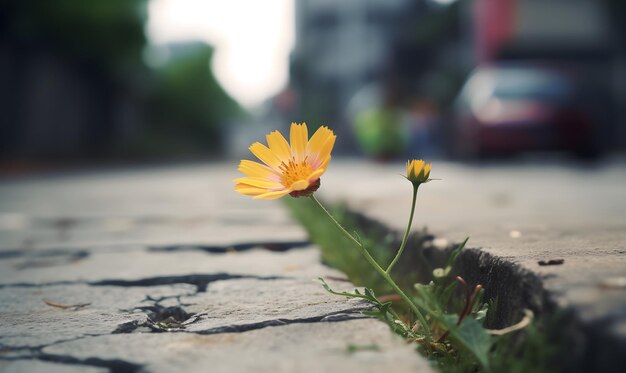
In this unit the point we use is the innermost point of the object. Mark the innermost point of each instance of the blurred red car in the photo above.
(510, 109)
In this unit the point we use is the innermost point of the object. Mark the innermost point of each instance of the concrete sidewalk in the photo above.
(168, 269)
(176, 249)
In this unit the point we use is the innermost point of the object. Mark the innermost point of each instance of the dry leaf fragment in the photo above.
(72, 307)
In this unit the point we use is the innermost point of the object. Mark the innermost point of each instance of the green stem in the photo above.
(406, 234)
(378, 269)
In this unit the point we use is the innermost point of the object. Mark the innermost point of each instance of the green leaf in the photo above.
(427, 297)
(455, 253)
(478, 301)
(444, 294)
(472, 337)
(369, 295)
(481, 314)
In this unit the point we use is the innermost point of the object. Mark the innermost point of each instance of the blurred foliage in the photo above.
(538, 349)
(188, 102)
(129, 108)
(107, 32)
(381, 133)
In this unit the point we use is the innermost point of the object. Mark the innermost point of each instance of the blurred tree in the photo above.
(74, 84)
(188, 104)
(380, 133)
(107, 32)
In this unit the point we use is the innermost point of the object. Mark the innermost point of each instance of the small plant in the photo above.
(444, 325)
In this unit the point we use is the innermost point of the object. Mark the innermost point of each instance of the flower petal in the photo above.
(299, 138)
(427, 169)
(299, 185)
(418, 171)
(279, 146)
(266, 155)
(259, 182)
(327, 148)
(324, 164)
(414, 168)
(315, 175)
(248, 190)
(318, 139)
(320, 146)
(255, 169)
(273, 195)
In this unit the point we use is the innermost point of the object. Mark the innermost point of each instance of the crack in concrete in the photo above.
(8, 352)
(54, 257)
(588, 344)
(496, 275)
(338, 316)
(36, 353)
(332, 317)
(223, 249)
(113, 365)
(159, 314)
(77, 254)
(40, 254)
(201, 281)
(36, 285)
(160, 319)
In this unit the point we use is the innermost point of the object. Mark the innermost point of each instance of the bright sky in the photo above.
(252, 39)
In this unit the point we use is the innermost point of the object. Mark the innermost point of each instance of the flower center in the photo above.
(294, 174)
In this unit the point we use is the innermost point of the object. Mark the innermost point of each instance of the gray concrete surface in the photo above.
(132, 243)
(168, 269)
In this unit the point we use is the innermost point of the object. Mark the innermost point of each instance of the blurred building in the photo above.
(68, 76)
(186, 108)
(353, 55)
(579, 37)
(341, 47)
(561, 29)
(409, 55)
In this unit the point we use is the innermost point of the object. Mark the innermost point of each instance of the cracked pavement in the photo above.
(159, 270)
(178, 272)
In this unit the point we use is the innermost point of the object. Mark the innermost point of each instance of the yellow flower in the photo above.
(288, 169)
(417, 171)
